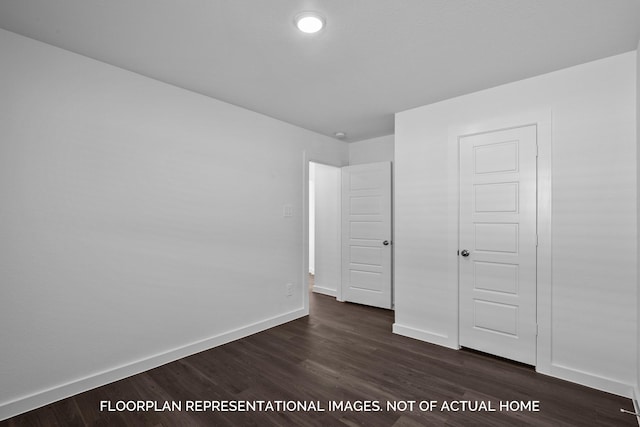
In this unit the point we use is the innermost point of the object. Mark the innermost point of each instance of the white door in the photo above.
(366, 234)
(497, 262)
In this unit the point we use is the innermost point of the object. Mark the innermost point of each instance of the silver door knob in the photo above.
(386, 243)
(464, 252)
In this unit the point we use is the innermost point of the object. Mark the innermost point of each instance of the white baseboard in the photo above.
(62, 391)
(419, 334)
(589, 379)
(325, 291)
(562, 372)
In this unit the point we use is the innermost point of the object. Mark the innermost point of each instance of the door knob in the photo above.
(464, 253)
(386, 243)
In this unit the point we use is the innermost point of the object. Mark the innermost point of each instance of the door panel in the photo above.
(496, 317)
(366, 225)
(496, 237)
(496, 197)
(496, 277)
(498, 229)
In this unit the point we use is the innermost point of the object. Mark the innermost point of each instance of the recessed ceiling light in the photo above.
(309, 22)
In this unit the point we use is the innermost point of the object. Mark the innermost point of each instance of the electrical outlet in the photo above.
(288, 289)
(287, 211)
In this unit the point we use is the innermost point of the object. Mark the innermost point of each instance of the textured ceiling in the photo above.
(374, 58)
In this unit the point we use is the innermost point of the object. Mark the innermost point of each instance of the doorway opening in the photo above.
(348, 243)
(324, 273)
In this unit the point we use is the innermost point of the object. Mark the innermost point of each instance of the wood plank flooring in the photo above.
(341, 352)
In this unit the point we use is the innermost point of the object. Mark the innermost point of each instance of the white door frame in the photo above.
(543, 121)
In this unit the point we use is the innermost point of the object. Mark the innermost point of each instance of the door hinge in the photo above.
(536, 240)
(537, 328)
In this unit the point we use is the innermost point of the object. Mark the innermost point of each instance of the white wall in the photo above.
(327, 229)
(637, 395)
(592, 317)
(371, 150)
(139, 222)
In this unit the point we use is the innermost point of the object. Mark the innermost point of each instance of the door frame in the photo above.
(542, 119)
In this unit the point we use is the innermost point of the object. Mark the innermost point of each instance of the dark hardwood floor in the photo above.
(346, 353)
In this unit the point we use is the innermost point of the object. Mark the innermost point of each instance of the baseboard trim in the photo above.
(589, 380)
(325, 291)
(62, 391)
(419, 334)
